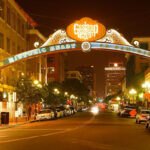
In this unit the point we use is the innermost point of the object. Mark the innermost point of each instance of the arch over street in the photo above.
(86, 36)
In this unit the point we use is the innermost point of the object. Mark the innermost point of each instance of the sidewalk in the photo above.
(19, 121)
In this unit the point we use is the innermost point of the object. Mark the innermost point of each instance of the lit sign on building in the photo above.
(115, 68)
(37, 51)
(86, 29)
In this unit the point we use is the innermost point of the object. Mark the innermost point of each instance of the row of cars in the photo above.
(54, 113)
(140, 115)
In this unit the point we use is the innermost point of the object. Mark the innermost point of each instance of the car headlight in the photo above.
(94, 110)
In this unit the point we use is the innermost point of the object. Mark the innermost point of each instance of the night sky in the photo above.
(129, 17)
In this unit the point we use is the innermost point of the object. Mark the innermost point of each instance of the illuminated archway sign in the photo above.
(86, 29)
(85, 34)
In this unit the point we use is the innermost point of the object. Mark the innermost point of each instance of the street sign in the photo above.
(133, 113)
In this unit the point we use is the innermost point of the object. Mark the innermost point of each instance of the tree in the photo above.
(75, 87)
(28, 93)
(53, 98)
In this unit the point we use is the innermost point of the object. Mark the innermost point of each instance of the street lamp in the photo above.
(39, 85)
(56, 91)
(118, 98)
(36, 82)
(133, 92)
(146, 87)
(66, 93)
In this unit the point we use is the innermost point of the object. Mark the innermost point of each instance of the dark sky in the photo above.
(129, 17)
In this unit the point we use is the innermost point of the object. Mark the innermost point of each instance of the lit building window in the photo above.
(50, 60)
(51, 70)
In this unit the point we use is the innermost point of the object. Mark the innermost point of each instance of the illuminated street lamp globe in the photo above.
(36, 82)
(118, 98)
(132, 91)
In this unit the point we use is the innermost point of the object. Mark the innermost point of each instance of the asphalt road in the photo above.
(82, 131)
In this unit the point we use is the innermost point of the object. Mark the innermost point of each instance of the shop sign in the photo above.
(86, 29)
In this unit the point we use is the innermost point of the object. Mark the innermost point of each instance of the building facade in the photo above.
(74, 75)
(55, 67)
(88, 76)
(15, 37)
(114, 74)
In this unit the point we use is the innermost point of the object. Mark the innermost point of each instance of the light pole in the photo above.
(146, 87)
(133, 93)
(56, 91)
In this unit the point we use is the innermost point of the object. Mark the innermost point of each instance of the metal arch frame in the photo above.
(72, 47)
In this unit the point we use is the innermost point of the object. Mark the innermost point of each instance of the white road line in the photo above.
(3, 136)
(48, 134)
(22, 129)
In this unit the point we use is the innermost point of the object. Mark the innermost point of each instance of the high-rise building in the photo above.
(114, 74)
(88, 76)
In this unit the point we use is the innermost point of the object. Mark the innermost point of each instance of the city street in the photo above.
(82, 131)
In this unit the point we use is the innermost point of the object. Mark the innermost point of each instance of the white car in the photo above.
(142, 116)
(45, 114)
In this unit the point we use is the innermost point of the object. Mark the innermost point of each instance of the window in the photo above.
(2, 9)
(18, 25)
(1, 40)
(8, 15)
(51, 70)
(50, 60)
(18, 49)
(8, 45)
(23, 32)
(73, 75)
(13, 20)
(13, 48)
(144, 45)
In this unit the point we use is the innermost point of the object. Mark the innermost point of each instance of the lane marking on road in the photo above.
(1, 136)
(48, 134)
(33, 129)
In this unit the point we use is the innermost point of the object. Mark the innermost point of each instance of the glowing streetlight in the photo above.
(118, 98)
(146, 85)
(66, 93)
(56, 91)
(72, 96)
(36, 82)
(132, 91)
(39, 85)
(141, 95)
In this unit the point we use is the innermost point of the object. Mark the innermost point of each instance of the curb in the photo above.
(11, 126)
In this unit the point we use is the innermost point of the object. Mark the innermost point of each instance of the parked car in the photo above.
(142, 116)
(147, 124)
(67, 112)
(126, 112)
(45, 114)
